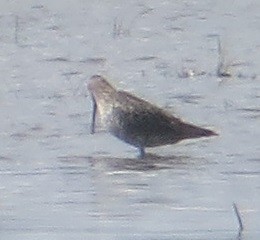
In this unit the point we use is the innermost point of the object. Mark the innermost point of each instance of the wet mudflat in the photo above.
(58, 181)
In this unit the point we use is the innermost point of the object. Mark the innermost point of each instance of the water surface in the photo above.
(60, 182)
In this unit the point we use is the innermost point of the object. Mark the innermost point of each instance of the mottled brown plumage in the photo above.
(136, 121)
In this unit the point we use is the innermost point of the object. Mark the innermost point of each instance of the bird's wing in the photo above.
(143, 116)
(146, 109)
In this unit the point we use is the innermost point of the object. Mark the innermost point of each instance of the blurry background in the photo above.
(59, 182)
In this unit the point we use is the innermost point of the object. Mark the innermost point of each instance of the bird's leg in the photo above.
(142, 153)
(93, 123)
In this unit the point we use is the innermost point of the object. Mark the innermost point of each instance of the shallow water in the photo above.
(60, 182)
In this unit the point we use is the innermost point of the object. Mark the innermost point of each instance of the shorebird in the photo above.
(136, 121)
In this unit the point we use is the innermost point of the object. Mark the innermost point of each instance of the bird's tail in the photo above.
(192, 131)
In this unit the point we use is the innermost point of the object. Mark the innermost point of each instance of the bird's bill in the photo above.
(94, 113)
